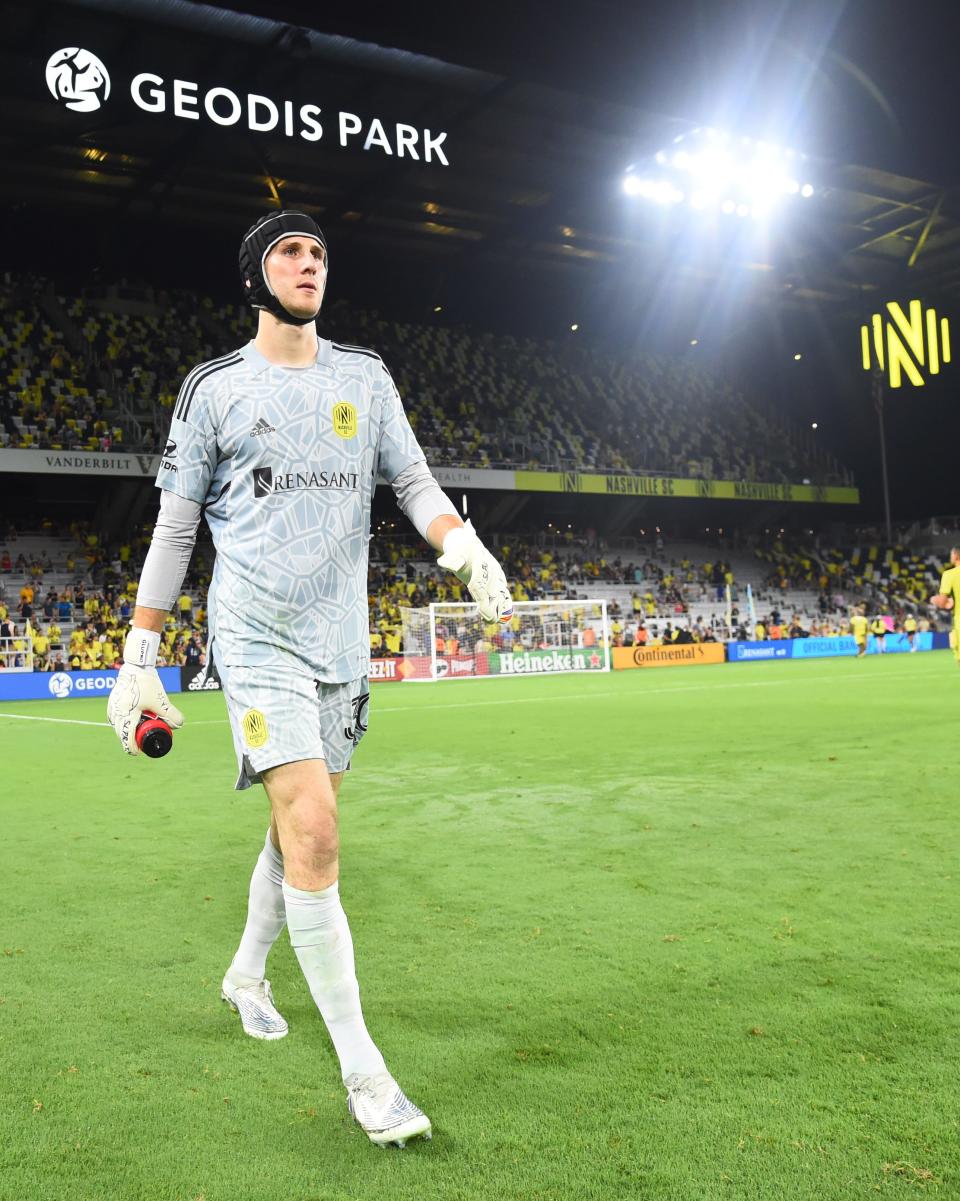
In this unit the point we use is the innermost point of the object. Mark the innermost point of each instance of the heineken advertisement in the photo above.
(668, 486)
(114, 463)
(518, 663)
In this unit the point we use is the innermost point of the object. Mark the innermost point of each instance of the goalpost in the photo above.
(16, 654)
(448, 641)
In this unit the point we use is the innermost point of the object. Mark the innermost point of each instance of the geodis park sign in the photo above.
(82, 82)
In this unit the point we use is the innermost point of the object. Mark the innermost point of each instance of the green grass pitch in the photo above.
(667, 935)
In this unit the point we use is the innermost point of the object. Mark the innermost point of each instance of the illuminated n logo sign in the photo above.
(902, 345)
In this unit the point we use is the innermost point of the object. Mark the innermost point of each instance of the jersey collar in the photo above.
(258, 363)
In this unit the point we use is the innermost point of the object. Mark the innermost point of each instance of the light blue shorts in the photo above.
(280, 714)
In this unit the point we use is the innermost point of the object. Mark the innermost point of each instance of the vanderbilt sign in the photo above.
(913, 346)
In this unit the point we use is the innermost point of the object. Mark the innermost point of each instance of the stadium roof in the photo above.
(534, 169)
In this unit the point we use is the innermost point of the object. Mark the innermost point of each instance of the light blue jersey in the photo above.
(285, 462)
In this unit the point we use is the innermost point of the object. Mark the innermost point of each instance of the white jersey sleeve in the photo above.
(398, 447)
(189, 461)
(171, 546)
(420, 497)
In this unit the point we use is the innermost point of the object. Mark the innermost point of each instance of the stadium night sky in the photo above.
(870, 82)
(866, 81)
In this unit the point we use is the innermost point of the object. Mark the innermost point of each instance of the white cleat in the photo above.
(254, 1003)
(386, 1115)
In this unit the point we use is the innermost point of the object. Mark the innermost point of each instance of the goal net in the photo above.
(452, 641)
(16, 654)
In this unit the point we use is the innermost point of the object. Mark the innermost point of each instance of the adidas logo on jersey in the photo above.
(262, 427)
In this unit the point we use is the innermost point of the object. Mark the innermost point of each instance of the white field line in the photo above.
(72, 721)
(61, 721)
(539, 700)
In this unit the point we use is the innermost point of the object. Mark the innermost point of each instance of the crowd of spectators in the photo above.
(889, 577)
(102, 370)
(81, 624)
(79, 620)
(50, 395)
(81, 629)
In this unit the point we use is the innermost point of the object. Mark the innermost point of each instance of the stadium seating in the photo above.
(103, 370)
(674, 592)
(142, 348)
(681, 588)
(50, 395)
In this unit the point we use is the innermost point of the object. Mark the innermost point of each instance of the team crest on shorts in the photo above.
(254, 728)
(344, 419)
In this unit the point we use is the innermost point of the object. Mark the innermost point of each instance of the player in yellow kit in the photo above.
(948, 596)
(910, 629)
(878, 628)
(858, 627)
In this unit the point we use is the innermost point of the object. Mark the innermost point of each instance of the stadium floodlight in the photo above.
(660, 191)
(709, 169)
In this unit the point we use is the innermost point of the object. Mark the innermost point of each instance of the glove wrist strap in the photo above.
(141, 648)
(459, 539)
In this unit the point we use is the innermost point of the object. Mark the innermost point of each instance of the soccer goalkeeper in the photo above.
(279, 445)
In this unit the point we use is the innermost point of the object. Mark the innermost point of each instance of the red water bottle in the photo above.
(154, 737)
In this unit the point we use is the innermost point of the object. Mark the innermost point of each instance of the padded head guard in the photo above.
(257, 243)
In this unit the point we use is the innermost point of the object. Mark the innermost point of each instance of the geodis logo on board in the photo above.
(79, 80)
(61, 685)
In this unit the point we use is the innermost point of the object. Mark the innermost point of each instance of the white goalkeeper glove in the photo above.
(470, 561)
(138, 689)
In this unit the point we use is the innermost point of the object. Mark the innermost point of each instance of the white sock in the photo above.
(266, 915)
(320, 936)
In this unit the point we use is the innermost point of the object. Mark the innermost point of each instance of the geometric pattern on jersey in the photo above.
(254, 1003)
(285, 462)
(303, 718)
(386, 1114)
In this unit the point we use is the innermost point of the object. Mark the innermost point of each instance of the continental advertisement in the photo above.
(668, 487)
(694, 654)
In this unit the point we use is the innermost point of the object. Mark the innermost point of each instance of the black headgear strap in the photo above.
(257, 243)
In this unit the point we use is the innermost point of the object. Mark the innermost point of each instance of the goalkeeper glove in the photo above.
(470, 561)
(138, 688)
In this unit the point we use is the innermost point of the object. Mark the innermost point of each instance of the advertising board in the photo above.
(691, 654)
(70, 685)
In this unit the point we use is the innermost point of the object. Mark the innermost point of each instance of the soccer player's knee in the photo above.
(319, 841)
